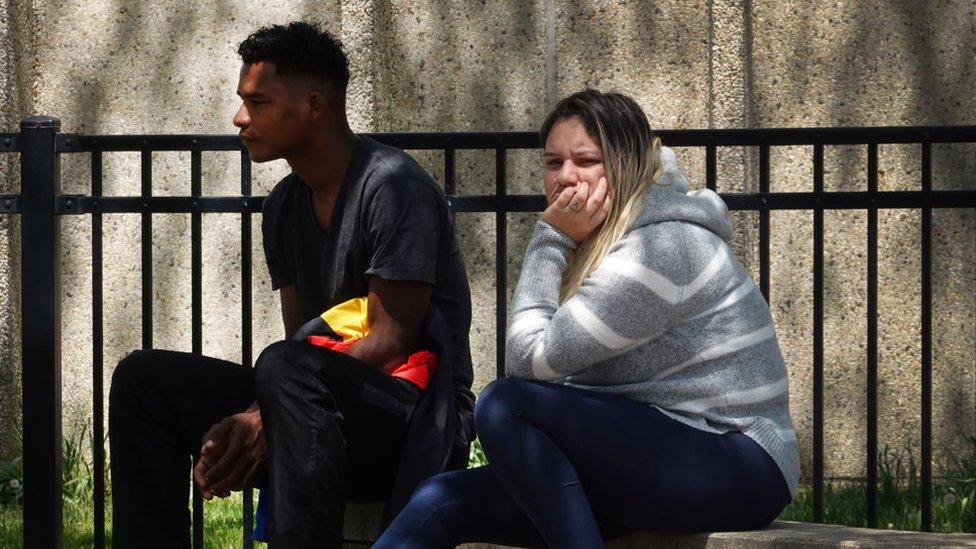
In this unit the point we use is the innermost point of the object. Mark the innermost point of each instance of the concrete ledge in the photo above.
(362, 525)
(782, 534)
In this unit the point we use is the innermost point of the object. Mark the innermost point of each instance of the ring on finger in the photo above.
(576, 206)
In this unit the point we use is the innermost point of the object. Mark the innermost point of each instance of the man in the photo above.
(355, 219)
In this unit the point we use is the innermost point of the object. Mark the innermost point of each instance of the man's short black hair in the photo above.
(299, 49)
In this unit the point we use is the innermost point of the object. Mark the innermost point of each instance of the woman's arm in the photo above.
(655, 277)
(535, 301)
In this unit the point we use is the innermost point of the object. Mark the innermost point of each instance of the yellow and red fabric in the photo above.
(349, 321)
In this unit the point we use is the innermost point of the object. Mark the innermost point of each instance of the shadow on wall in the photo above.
(853, 77)
(937, 100)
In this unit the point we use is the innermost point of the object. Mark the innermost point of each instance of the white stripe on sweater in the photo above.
(527, 322)
(540, 366)
(741, 291)
(655, 282)
(658, 283)
(728, 347)
(595, 327)
(788, 435)
(721, 257)
(737, 398)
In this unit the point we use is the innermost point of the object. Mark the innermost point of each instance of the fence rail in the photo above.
(40, 202)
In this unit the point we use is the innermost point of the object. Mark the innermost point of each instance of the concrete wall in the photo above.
(434, 65)
(11, 108)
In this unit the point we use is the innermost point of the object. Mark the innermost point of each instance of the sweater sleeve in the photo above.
(647, 283)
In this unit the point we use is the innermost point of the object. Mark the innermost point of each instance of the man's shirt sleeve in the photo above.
(275, 253)
(404, 229)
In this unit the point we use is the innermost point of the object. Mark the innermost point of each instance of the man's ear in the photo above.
(314, 103)
(319, 104)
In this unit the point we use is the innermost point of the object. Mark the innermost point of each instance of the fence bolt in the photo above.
(7, 143)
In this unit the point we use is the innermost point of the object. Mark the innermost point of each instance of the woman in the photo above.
(645, 390)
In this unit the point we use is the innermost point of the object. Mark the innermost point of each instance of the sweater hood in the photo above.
(670, 200)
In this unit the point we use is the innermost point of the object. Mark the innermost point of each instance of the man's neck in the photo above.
(323, 163)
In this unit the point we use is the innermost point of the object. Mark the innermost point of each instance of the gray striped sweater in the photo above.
(669, 318)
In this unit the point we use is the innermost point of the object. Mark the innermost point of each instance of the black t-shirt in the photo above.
(390, 220)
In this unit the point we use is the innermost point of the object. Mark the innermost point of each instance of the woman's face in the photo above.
(570, 157)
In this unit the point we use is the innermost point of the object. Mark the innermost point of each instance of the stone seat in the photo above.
(363, 519)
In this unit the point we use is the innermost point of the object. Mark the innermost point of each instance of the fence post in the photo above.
(41, 317)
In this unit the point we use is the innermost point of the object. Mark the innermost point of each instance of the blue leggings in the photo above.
(569, 468)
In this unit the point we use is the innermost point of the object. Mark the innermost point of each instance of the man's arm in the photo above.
(291, 311)
(397, 311)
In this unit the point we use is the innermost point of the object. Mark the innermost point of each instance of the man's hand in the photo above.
(578, 211)
(232, 454)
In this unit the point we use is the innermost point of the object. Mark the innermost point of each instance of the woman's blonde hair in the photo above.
(631, 158)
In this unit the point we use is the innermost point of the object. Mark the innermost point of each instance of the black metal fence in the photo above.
(40, 204)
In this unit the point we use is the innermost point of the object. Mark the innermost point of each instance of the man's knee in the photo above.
(497, 404)
(128, 376)
(279, 367)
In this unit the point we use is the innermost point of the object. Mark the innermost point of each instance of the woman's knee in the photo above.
(498, 403)
(435, 492)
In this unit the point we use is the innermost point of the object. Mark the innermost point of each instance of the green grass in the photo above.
(953, 500)
(78, 486)
(224, 522)
(223, 526)
(899, 497)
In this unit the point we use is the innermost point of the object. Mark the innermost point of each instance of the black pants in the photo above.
(334, 427)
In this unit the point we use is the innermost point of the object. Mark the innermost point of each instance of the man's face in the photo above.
(274, 117)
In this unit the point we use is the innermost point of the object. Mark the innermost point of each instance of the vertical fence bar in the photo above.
(711, 167)
(872, 342)
(926, 480)
(764, 222)
(449, 171)
(98, 359)
(818, 337)
(41, 337)
(196, 255)
(196, 308)
(147, 305)
(501, 260)
(248, 496)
